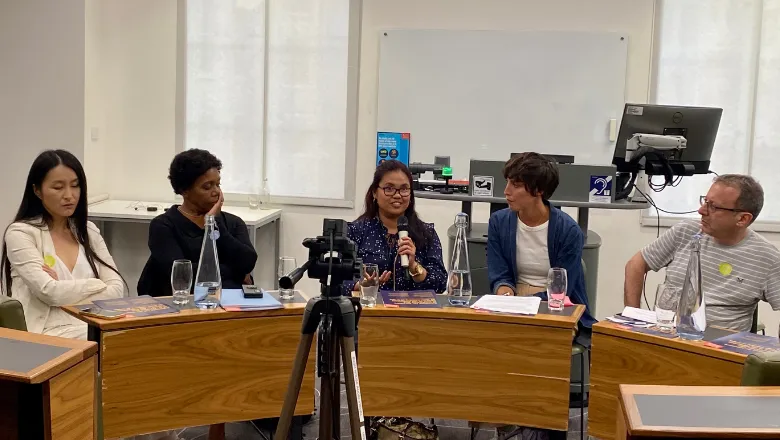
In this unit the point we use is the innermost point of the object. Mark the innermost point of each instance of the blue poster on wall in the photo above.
(392, 146)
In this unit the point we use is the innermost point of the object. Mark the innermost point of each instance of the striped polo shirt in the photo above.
(734, 278)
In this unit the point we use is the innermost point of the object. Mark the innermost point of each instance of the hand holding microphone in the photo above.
(406, 247)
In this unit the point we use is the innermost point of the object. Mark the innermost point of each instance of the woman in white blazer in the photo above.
(52, 256)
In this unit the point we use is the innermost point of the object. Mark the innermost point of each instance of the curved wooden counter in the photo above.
(458, 363)
(197, 368)
(202, 367)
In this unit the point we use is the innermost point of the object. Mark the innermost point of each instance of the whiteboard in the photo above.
(487, 94)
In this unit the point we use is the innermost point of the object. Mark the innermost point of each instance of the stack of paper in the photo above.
(635, 317)
(233, 300)
(523, 305)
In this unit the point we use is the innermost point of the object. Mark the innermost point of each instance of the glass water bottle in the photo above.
(208, 282)
(691, 319)
(459, 275)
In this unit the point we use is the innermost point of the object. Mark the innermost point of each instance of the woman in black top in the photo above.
(177, 234)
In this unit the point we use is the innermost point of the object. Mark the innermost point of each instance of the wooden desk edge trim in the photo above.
(627, 405)
(175, 318)
(557, 321)
(151, 321)
(609, 329)
(52, 368)
(633, 418)
(77, 351)
(698, 390)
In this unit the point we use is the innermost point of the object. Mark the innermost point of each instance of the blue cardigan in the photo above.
(564, 244)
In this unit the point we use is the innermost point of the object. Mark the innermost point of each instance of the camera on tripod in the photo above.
(332, 255)
(334, 318)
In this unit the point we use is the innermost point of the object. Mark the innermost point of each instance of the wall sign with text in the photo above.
(392, 146)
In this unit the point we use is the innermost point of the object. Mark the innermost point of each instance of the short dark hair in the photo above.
(538, 173)
(751, 194)
(188, 165)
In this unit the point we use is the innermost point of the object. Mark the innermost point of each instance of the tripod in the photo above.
(334, 319)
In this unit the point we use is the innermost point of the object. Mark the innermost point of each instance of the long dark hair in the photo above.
(417, 230)
(32, 208)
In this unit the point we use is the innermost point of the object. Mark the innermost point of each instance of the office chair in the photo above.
(761, 369)
(12, 314)
(757, 326)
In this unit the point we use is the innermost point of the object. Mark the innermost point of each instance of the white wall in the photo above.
(140, 113)
(41, 87)
(130, 103)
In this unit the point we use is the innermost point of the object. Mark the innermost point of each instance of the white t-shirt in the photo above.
(60, 323)
(533, 261)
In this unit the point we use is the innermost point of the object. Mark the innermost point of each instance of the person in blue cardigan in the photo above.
(530, 236)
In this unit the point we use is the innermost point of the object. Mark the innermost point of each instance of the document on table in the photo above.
(640, 314)
(523, 305)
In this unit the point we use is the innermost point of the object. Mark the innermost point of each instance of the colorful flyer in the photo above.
(418, 299)
(392, 146)
(748, 343)
(138, 306)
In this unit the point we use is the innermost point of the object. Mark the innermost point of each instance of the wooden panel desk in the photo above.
(197, 367)
(670, 412)
(458, 363)
(622, 356)
(47, 387)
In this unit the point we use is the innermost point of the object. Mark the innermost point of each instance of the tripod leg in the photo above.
(336, 385)
(330, 383)
(326, 408)
(294, 387)
(354, 401)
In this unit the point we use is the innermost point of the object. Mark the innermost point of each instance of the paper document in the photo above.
(233, 300)
(523, 305)
(700, 317)
(640, 314)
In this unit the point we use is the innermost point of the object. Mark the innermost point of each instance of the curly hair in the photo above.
(188, 165)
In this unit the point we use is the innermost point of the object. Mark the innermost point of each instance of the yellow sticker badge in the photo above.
(49, 260)
(725, 269)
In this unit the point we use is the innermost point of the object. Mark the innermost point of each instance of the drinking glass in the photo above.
(666, 300)
(369, 284)
(557, 283)
(286, 265)
(181, 281)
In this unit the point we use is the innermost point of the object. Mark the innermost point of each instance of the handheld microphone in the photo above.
(403, 232)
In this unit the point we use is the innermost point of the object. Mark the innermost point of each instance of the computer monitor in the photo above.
(698, 125)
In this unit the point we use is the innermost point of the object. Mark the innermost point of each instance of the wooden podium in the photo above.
(47, 387)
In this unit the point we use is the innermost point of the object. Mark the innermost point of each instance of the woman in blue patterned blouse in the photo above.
(375, 233)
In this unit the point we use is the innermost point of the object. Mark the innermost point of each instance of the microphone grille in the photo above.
(403, 221)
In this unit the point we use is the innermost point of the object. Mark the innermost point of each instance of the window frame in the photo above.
(353, 67)
(649, 218)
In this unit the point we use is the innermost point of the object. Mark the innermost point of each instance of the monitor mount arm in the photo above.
(637, 148)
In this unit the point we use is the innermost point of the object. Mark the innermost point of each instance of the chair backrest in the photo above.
(12, 314)
(761, 369)
(591, 295)
(754, 324)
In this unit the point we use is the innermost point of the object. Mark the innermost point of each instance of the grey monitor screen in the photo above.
(698, 125)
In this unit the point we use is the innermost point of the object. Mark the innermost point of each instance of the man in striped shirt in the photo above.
(739, 267)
